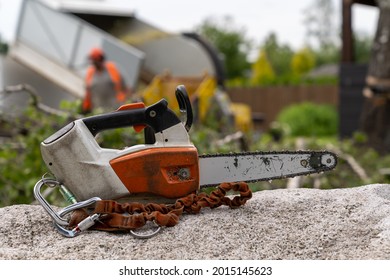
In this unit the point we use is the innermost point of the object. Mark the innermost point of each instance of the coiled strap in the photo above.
(116, 216)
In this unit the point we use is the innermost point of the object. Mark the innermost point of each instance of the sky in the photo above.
(257, 17)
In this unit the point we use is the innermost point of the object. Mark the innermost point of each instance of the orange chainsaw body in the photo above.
(169, 172)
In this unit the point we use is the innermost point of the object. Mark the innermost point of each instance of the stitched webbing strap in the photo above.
(130, 216)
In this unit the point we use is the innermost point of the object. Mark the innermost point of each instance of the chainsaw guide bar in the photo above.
(253, 167)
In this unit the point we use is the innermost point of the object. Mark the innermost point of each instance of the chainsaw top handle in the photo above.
(157, 116)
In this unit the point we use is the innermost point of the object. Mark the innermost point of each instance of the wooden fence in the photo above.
(269, 101)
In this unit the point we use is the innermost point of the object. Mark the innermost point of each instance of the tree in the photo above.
(278, 55)
(262, 72)
(230, 40)
(363, 44)
(319, 21)
(322, 34)
(303, 61)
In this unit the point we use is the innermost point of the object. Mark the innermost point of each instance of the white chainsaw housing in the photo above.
(79, 163)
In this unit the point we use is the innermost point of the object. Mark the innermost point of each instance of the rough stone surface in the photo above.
(284, 224)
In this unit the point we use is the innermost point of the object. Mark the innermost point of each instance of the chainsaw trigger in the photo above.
(139, 128)
(131, 106)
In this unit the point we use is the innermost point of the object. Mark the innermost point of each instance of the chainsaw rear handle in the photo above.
(157, 116)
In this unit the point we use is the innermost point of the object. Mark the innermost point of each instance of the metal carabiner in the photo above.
(60, 223)
(90, 221)
(58, 219)
(84, 224)
(37, 193)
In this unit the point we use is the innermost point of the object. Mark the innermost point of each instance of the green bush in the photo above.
(308, 119)
(21, 163)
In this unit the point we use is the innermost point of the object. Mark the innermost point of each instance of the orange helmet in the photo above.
(96, 54)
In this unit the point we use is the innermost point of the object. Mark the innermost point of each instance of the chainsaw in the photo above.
(166, 167)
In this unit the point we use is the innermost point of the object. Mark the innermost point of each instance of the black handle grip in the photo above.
(158, 116)
(185, 105)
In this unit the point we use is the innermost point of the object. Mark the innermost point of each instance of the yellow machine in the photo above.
(208, 100)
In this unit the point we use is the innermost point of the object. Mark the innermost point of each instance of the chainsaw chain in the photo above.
(260, 153)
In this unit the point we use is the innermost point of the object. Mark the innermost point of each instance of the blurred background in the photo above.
(262, 75)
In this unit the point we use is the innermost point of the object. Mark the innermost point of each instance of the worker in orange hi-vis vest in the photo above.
(105, 87)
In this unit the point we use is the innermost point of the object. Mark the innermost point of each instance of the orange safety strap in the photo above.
(130, 216)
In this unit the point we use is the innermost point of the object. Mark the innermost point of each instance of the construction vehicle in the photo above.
(210, 102)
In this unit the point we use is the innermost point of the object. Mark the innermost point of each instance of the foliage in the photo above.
(308, 119)
(262, 72)
(21, 164)
(230, 41)
(319, 21)
(278, 54)
(289, 68)
(302, 62)
(327, 54)
(323, 36)
(362, 44)
(322, 47)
